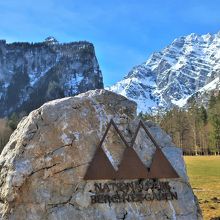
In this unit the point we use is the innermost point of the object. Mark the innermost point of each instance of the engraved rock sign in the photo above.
(131, 167)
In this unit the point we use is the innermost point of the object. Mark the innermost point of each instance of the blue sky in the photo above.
(124, 33)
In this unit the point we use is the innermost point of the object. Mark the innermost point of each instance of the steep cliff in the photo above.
(33, 73)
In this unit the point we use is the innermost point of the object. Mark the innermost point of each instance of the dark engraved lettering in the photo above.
(106, 188)
(156, 196)
(133, 191)
(115, 198)
(131, 186)
(174, 195)
(149, 197)
(93, 199)
(98, 187)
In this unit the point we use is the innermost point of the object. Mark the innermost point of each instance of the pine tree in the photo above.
(13, 121)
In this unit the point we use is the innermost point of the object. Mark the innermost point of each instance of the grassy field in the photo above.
(204, 174)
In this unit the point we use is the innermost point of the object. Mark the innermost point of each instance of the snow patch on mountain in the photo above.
(34, 73)
(213, 85)
(170, 77)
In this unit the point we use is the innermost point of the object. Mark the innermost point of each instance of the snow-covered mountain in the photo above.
(189, 65)
(33, 73)
(202, 96)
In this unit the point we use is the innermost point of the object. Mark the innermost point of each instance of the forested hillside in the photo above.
(196, 130)
(5, 132)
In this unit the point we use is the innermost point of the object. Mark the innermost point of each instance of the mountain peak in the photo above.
(169, 77)
(51, 40)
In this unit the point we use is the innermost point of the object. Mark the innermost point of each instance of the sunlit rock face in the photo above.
(34, 73)
(186, 68)
(44, 164)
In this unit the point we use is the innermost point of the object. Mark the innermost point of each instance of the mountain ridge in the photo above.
(34, 73)
(171, 76)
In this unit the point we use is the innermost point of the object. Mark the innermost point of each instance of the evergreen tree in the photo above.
(195, 129)
(13, 121)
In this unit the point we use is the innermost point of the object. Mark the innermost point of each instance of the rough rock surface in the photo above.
(168, 78)
(43, 165)
(34, 73)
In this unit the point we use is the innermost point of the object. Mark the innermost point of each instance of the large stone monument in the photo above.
(88, 157)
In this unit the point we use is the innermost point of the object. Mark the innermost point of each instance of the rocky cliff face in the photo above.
(171, 76)
(42, 167)
(33, 73)
(202, 96)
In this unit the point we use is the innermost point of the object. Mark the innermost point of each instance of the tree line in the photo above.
(196, 129)
(7, 126)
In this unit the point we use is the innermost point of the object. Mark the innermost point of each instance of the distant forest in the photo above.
(7, 126)
(196, 129)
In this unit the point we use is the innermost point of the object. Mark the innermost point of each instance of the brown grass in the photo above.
(204, 174)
